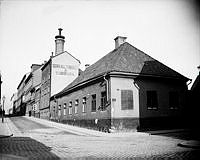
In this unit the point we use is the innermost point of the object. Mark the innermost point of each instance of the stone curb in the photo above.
(190, 144)
(12, 157)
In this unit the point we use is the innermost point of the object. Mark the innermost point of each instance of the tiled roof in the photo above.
(129, 59)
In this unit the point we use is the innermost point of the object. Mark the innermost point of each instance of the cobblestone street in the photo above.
(40, 141)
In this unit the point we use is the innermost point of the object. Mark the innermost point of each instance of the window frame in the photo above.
(103, 100)
(59, 110)
(152, 99)
(174, 95)
(94, 103)
(127, 101)
(84, 102)
(76, 106)
(64, 109)
(70, 108)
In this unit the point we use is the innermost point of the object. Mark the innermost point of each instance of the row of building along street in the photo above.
(126, 90)
(59, 110)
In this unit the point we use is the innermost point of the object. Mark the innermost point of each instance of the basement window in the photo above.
(152, 100)
(126, 99)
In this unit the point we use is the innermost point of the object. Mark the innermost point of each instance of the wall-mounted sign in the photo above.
(63, 70)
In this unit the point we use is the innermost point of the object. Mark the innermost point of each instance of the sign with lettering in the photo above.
(67, 70)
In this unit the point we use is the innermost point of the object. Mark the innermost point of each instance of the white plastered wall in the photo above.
(64, 71)
(118, 84)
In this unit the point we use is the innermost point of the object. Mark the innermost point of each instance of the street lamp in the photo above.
(3, 99)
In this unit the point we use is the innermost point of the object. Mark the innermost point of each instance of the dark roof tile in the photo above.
(126, 58)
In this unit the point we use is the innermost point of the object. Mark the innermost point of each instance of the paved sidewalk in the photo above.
(4, 129)
(84, 131)
(89, 132)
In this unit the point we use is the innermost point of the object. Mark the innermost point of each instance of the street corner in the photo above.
(195, 144)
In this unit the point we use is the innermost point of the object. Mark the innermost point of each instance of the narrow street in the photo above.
(33, 139)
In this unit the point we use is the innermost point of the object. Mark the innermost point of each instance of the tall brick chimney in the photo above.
(59, 42)
(119, 40)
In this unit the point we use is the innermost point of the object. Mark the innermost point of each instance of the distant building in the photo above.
(20, 102)
(32, 83)
(60, 70)
(126, 89)
(36, 105)
(28, 93)
(12, 102)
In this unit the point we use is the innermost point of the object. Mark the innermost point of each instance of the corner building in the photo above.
(126, 89)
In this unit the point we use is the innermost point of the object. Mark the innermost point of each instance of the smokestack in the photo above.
(59, 42)
(119, 40)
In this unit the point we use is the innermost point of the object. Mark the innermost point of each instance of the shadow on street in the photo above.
(25, 147)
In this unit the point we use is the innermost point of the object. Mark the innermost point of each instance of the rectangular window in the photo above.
(84, 104)
(59, 110)
(70, 107)
(103, 100)
(152, 100)
(94, 103)
(76, 106)
(173, 100)
(65, 106)
(126, 99)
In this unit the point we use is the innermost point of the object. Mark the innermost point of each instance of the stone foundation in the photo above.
(125, 124)
(90, 123)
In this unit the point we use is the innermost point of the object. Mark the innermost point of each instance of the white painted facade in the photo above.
(64, 70)
(117, 84)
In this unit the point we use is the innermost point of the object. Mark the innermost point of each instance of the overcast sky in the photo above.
(167, 30)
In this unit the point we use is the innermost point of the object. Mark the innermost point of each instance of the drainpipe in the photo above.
(106, 87)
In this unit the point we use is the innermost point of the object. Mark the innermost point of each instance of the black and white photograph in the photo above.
(99, 79)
